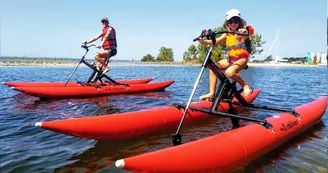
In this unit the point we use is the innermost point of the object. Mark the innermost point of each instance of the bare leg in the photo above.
(101, 57)
(232, 72)
(222, 64)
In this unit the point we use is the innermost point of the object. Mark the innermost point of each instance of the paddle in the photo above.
(87, 50)
(209, 34)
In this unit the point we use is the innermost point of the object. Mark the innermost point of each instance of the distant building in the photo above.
(308, 58)
(323, 58)
(319, 57)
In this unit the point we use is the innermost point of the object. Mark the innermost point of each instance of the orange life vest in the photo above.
(239, 46)
(110, 43)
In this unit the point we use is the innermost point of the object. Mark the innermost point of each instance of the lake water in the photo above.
(26, 148)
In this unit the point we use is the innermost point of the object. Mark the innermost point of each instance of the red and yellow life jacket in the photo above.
(239, 46)
(110, 43)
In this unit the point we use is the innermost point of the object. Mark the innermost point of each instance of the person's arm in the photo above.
(93, 39)
(202, 41)
(221, 38)
(209, 42)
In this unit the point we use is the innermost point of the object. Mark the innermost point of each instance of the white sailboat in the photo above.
(323, 59)
(276, 59)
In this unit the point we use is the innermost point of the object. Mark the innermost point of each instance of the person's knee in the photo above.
(219, 65)
(230, 73)
(97, 55)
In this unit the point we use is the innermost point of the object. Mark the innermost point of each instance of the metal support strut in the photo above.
(95, 70)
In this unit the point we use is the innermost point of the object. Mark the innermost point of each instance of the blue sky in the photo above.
(57, 28)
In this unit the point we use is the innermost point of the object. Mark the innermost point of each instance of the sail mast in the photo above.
(275, 39)
(277, 57)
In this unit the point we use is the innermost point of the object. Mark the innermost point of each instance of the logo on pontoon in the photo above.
(289, 125)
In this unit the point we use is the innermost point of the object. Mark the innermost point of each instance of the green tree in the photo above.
(186, 56)
(269, 58)
(217, 52)
(165, 54)
(190, 54)
(148, 58)
(257, 43)
(315, 58)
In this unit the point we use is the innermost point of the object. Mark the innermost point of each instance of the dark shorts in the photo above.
(112, 52)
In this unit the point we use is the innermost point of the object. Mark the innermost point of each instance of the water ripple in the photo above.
(25, 148)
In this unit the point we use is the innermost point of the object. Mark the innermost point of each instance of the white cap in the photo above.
(232, 13)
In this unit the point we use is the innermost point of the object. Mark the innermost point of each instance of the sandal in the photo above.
(250, 90)
(105, 71)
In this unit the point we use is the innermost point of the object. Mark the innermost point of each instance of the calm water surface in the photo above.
(25, 148)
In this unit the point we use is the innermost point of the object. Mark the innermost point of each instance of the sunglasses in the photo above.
(233, 20)
(104, 22)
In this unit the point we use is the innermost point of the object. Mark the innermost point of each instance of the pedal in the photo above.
(83, 83)
(178, 105)
(94, 85)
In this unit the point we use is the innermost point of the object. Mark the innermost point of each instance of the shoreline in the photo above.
(282, 65)
(153, 64)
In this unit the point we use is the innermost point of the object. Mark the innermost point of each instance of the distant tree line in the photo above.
(40, 60)
(165, 54)
(289, 59)
(296, 59)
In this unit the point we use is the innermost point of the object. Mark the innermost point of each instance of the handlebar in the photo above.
(211, 34)
(87, 46)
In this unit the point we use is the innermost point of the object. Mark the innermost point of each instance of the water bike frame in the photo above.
(225, 92)
(96, 72)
